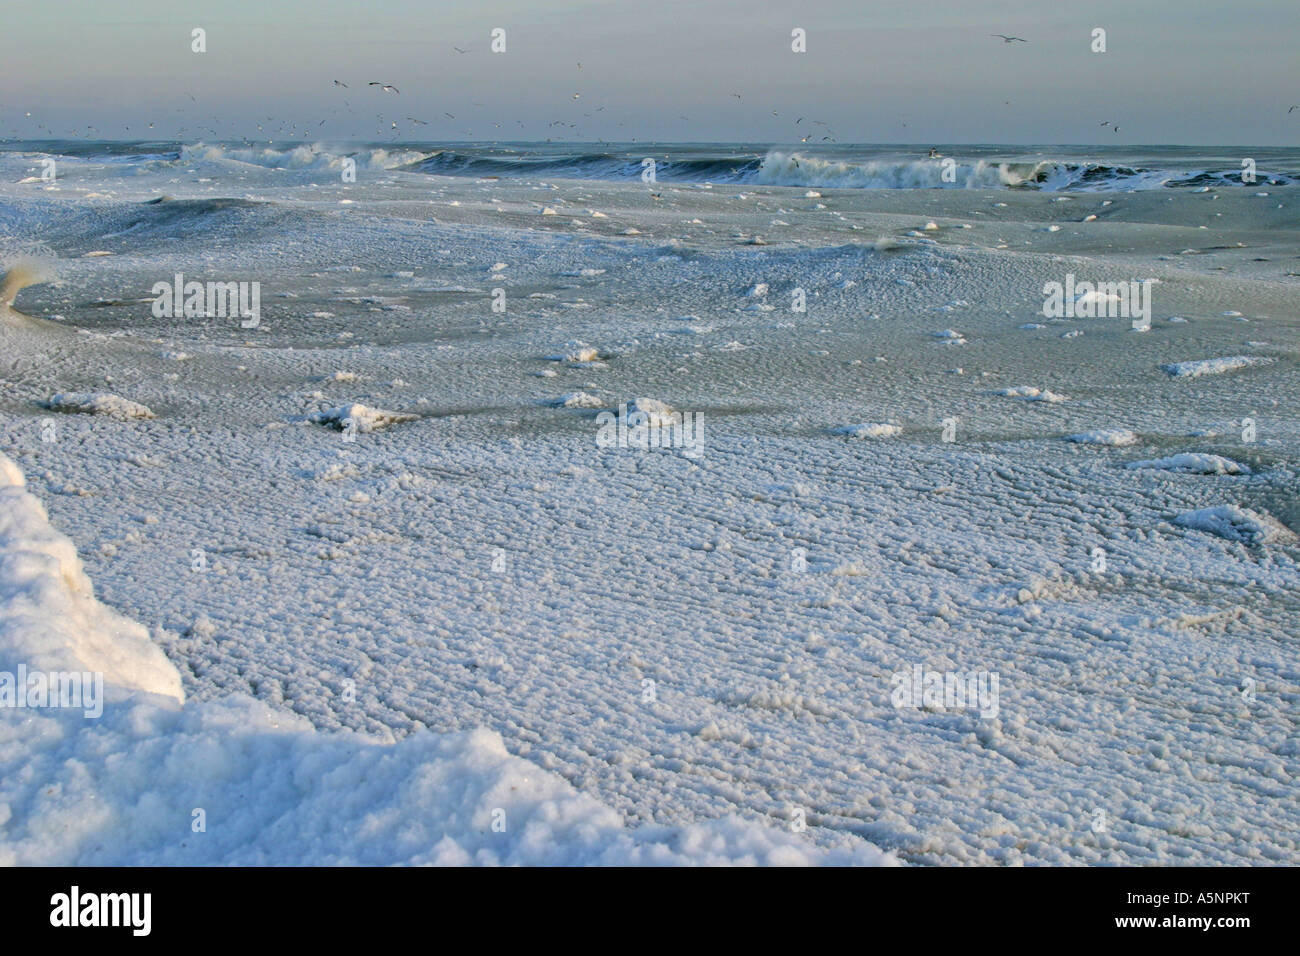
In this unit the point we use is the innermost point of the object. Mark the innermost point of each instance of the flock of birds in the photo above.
(394, 130)
(290, 130)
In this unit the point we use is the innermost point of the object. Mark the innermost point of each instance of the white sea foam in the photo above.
(1193, 463)
(98, 403)
(797, 169)
(1214, 366)
(1113, 437)
(307, 156)
(1236, 524)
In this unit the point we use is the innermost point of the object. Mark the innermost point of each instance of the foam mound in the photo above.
(365, 418)
(1113, 437)
(49, 617)
(1215, 366)
(1193, 463)
(98, 403)
(868, 430)
(1235, 524)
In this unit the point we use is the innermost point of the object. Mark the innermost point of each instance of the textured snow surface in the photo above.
(122, 789)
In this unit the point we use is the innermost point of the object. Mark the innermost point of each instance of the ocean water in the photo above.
(398, 475)
(1068, 168)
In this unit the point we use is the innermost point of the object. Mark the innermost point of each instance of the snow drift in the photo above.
(50, 619)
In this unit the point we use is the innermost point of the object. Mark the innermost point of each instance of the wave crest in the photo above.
(305, 157)
(795, 169)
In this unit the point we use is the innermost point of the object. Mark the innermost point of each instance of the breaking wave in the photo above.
(306, 156)
(841, 167)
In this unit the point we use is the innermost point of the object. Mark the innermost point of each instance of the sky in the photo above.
(874, 71)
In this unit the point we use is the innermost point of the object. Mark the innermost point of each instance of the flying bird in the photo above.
(1007, 39)
(458, 49)
(387, 88)
(1294, 108)
(340, 83)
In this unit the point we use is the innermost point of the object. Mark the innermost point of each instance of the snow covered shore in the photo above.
(677, 639)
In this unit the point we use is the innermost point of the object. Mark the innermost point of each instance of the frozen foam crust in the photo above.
(132, 786)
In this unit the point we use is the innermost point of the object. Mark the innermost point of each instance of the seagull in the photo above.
(1007, 39)
(1107, 123)
(736, 95)
(341, 83)
(458, 49)
(387, 88)
(416, 121)
(1294, 108)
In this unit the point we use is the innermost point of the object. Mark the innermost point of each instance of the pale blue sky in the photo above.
(1176, 71)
